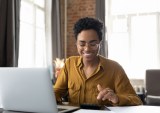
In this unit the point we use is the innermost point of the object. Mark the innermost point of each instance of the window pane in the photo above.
(118, 48)
(32, 34)
(27, 12)
(40, 48)
(40, 3)
(134, 6)
(134, 39)
(40, 18)
(144, 44)
(26, 56)
(120, 25)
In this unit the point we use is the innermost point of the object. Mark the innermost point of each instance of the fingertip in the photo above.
(99, 87)
(98, 97)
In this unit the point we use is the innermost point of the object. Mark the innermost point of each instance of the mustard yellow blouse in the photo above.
(81, 90)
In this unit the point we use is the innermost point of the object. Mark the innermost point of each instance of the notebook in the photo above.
(28, 90)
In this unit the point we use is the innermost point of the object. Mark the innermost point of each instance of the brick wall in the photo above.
(77, 9)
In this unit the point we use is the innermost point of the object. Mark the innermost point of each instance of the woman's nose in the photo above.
(87, 47)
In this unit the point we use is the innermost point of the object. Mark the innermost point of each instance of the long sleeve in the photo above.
(125, 91)
(61, 85)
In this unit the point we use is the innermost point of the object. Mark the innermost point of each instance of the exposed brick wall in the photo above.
(77, 9)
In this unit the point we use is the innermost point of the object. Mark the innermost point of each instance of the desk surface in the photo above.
(125, 109)
(136, 109)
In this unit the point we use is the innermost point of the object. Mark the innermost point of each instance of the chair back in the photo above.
(153, 87)
(153, 82)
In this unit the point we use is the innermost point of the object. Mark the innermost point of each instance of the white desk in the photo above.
(92, 111)
(128, 109)
(136, 109)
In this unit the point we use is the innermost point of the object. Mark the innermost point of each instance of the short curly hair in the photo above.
(86, 24)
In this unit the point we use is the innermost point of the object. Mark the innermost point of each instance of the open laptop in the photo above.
(28, 90)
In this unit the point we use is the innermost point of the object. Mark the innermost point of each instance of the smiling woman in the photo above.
(91, 78)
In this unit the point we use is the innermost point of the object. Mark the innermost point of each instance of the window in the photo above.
(32, 49)
(133, 35)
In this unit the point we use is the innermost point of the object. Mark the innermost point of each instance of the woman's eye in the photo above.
(92, 44)
(82, 44)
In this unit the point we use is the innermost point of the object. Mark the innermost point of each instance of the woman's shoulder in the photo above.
(104, 59)
(73, 59)
(109, 62)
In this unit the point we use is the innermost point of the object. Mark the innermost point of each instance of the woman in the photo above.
(91, 78)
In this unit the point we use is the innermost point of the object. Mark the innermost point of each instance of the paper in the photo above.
(136, 109)
(92, 111)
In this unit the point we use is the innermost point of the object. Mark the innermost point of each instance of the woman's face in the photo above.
(88, 44)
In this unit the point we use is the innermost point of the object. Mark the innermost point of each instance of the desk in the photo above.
(128, 109)
(136, 109)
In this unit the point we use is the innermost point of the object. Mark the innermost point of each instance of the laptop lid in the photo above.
(27, 89)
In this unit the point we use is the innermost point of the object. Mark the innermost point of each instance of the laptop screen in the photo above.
(27, 89)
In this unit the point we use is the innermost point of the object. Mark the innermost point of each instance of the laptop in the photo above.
(28, 90)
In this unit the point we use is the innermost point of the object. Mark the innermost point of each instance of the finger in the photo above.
(108, 90)
(108, 95)
(99, 87)
(111, 96)
(100, 94)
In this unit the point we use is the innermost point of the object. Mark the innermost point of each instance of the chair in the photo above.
(152, 84)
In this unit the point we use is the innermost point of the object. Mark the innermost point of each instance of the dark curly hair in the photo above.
(86, 24)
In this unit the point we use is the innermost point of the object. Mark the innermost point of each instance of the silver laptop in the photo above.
(28, 90)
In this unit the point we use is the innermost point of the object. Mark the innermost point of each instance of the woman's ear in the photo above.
(100, 44)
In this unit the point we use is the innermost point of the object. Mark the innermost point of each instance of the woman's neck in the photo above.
(91, 63)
